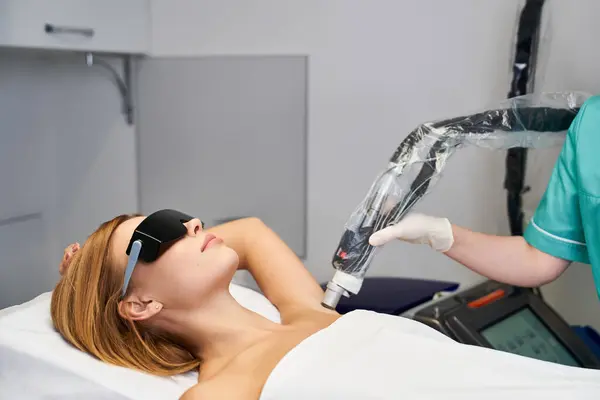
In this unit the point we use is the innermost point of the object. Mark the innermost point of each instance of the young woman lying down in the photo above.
(177, 315)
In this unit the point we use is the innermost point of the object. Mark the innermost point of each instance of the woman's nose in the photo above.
(194, 226)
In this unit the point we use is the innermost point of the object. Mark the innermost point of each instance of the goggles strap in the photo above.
(136, 248)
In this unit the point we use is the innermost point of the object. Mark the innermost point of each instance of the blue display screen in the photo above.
(523, 333)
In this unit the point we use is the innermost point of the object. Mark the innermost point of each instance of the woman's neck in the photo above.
(222, 328)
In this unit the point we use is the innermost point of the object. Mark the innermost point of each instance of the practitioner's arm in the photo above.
(280, 274)
(507, 259)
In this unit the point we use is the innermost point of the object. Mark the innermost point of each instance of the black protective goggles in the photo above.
(157, 230)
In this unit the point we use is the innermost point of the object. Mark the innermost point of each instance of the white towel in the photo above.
(366, 355)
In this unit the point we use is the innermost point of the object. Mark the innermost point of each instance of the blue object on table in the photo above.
(590, 337)
(393, 296)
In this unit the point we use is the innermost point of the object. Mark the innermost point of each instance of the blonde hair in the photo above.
(84, 310)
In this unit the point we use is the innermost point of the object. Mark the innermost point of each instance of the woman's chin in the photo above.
(229, 260)
(231, 254)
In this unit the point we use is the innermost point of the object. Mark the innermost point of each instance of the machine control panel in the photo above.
(511, 319)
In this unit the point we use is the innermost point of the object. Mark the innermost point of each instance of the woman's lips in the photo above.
(209, 241)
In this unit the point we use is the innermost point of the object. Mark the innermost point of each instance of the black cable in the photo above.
(523, 68)
(537, 119)
(354, 250)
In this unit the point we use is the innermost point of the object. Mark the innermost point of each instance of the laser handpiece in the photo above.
(533, 120)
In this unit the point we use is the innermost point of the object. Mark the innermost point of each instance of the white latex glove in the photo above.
(417, 229)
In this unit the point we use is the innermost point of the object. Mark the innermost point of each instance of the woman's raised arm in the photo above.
(280, 274)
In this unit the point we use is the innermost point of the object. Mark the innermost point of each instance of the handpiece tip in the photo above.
(332, 295)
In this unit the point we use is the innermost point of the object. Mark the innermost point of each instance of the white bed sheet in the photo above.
(36, 363)
(367, 355)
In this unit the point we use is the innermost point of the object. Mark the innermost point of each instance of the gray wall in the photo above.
(377, 69)
(224, 138)
(66, 164)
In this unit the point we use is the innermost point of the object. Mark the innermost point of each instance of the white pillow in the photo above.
(255, 301)
(35, 361)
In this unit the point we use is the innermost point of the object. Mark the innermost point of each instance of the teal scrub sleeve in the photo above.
(556, 227)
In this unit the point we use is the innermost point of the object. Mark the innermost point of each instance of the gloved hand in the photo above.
(417, 229)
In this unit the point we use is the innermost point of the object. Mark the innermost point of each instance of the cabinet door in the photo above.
(114, 26)
(225, 137)
(25, 269)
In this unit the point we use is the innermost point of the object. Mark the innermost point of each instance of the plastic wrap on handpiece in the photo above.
(530, 121)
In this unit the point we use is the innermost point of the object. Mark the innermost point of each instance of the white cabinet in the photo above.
(112, 26)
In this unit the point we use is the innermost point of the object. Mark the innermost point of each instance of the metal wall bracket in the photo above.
(123, 83)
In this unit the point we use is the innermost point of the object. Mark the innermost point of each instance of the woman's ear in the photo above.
(133, 308)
